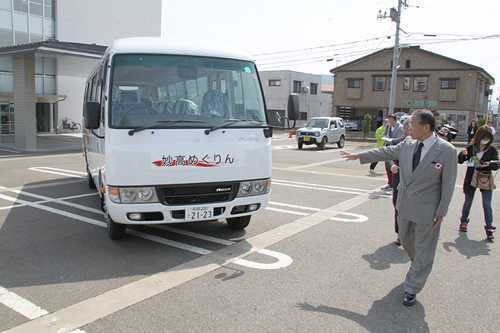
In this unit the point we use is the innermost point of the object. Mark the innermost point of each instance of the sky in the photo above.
(257, 27)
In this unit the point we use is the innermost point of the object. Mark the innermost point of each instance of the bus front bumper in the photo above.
(157, 213)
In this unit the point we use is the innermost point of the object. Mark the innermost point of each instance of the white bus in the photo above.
(176, 134)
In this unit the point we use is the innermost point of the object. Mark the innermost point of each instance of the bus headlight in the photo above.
(257, 187)
(132, 194)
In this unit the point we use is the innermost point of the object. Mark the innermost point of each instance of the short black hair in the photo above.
(425, 117)
(392, 116)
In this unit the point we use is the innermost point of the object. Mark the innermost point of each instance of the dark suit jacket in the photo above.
(491, 154)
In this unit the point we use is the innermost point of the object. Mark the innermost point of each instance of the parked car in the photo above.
(353, 125)
(322, 130)
(448, 132)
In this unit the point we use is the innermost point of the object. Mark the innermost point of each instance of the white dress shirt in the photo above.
(428, 143)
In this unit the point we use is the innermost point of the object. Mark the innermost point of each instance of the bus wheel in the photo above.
(115, 230)
(238, 223)
(91, 181)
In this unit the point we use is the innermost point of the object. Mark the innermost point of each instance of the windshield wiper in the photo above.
(143, 128)
(229, 123)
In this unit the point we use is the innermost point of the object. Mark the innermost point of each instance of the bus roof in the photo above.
(154, 45)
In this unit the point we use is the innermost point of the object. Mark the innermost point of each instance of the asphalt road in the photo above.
(319, 259)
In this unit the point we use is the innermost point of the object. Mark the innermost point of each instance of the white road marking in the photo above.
(20, 305)
(378, 178)
(194, 235)
(65, 170)
(41, 169)
(285, 147)
(95, 308)
(52, 184)
(319, 185)
(157, 239)
(357, 218)
(57, 200)
(34, 157)
(10, 150)
(328, 150)
(282, 261)
(286, 211)
(314, 188)
(305, 166)
(164, 241)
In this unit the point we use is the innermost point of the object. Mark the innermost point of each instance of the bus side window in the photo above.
(100, 95)
(92, 89)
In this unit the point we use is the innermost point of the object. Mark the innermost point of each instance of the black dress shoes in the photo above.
(409, 299)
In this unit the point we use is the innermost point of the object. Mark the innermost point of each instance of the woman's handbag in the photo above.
(483, 180)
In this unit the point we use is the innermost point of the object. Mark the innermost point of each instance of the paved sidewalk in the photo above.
(46, 143)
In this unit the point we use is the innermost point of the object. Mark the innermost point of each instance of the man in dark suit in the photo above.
(392, 134)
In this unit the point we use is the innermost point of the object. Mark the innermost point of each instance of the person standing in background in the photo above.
(478, 157)
(492, 129)
(392, 133)
(379, 133)
(471, 131)
(395, 184)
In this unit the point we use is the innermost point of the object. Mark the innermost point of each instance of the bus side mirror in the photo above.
(92, 115)
(293, 107)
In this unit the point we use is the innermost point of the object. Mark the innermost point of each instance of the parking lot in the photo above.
(320, 258)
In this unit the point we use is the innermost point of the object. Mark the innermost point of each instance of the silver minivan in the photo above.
(321, 131)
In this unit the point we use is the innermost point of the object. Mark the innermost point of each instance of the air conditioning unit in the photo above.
(305, 90)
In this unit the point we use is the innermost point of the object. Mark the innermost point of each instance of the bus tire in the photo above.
(115, 230)
(238, 223)
(91, 181)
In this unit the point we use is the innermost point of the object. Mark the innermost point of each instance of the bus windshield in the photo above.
(174, 91)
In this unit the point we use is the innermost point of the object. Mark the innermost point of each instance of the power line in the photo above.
(320, 47)
(325, 52)
(319, 58)
(308, 60)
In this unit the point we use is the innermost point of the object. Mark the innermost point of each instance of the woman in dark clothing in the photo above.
(471, 130)
(478, 156)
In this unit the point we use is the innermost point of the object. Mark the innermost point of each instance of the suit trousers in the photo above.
(420, 242)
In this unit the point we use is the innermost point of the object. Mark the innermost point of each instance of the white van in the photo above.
(175, 134)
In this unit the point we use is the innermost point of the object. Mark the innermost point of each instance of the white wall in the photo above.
(319, 105)
(72, 74)
(102, 21)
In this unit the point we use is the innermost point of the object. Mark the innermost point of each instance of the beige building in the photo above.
(457, 90)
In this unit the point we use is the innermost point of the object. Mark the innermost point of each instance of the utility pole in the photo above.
(395, 16)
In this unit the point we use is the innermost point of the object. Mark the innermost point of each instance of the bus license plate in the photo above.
(307, 139)
(199, 213)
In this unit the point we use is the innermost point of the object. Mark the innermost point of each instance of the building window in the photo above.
(303, 116)
(45, 76)
(354, 83)
(274, 83)
(297, 87)
(420, 83)
(408, 63)
(379, 83)
(6, 75)
(449, 83)
(21, 5)
(406, 83)
(314, 88)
